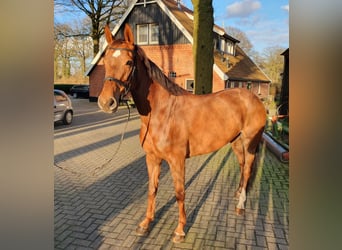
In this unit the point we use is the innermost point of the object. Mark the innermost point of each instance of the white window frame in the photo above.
(149, 37)
(230, 47)
(139, 26)
(222, 45)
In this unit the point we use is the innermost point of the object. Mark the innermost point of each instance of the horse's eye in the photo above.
(129, 63)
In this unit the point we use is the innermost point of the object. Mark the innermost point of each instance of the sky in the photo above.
(265, 22)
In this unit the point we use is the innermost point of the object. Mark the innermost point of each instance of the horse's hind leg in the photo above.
(237, 146)
(249, 145)
(246, 173)
(153, 168)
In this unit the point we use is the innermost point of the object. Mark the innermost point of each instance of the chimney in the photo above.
(178, 4)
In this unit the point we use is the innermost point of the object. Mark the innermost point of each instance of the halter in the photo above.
(125, 84)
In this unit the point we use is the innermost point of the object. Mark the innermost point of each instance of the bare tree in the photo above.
(71, 52)
(62, 53)
(203, 46)
(273, 63)
(257, 58)
(238, 34)
(82, 46)
(100, 12)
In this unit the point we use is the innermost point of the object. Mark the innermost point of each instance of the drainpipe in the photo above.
(281, 152)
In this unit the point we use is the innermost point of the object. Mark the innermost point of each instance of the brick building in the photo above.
(164, 28)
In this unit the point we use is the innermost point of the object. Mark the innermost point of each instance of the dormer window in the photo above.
(227, 46)
(230, 48)
(222, 45)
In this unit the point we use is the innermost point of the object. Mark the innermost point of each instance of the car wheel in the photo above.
(67, 118)
(75, 95)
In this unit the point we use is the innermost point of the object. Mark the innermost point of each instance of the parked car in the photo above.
(80, 90)
(63, 110)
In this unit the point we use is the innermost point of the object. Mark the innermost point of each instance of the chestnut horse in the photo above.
(176, 124)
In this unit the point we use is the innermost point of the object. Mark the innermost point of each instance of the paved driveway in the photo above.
(101, 190)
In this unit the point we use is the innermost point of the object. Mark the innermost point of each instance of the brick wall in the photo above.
(96, 77)
(176, 58)
(260, 89)
(218, 83)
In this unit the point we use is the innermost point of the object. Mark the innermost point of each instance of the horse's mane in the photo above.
(157, 75)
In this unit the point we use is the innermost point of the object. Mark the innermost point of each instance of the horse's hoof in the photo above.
(239, 211)
(140, 231)
(178, 238)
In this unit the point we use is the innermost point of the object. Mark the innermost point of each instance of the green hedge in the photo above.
(64, 87)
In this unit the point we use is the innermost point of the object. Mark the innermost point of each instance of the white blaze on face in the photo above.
(116, 53)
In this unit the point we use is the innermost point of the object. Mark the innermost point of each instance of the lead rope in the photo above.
(111, 158)
(118, 147)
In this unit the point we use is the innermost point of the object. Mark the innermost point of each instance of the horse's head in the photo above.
(119, 63)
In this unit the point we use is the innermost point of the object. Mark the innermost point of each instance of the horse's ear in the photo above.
(128, 34)
(108, 34)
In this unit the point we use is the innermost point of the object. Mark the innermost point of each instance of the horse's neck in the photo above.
(146, 93)
(140, 99)
(140, 91)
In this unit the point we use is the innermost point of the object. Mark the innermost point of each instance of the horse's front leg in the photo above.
(153, 168)
(177, 167)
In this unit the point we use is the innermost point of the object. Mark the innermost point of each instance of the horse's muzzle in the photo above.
(110, 106)
(113, 104)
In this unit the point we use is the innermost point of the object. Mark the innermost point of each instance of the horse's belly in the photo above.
(209, 142)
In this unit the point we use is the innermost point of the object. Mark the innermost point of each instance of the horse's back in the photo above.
(213, 120)
(237, 102)
(249, 104)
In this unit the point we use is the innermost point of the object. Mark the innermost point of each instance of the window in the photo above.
(222, 45)
(142, 31)
(172, 74)
(249, 85)
(154, 33)
(230, 48)
(226, 84)
(189, 85)
(59, 97)
(148, 34)
(226, 46)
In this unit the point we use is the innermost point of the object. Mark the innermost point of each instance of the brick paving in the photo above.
(100, 196)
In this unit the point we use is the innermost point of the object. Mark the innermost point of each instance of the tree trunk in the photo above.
(96, 43)
(95, 35)
(203, 46)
